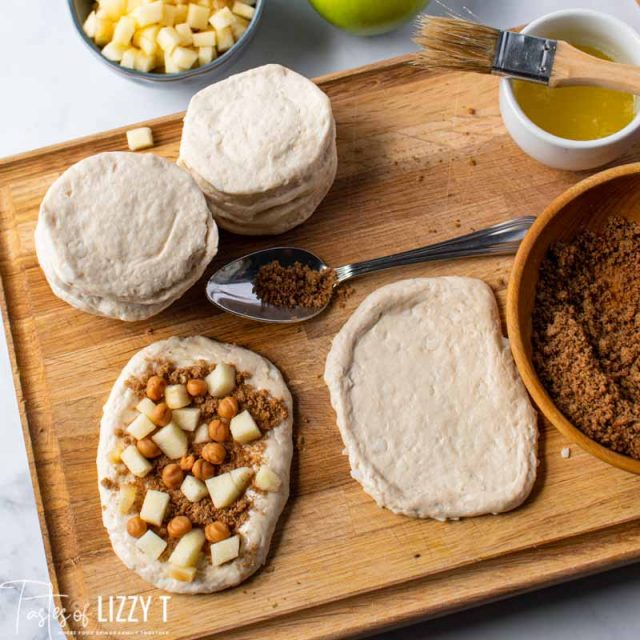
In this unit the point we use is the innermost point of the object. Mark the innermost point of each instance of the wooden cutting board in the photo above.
(422, 158)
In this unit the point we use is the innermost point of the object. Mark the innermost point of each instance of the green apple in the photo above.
(368, 17)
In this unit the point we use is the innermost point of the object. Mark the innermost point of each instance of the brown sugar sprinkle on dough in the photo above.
(586, 333)
(295, 286)
(107, 483)
(268, 412)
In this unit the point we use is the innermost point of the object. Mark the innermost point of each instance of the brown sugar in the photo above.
(295, 286)
(586, 333)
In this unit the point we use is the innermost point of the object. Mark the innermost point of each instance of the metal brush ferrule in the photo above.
(523, 56)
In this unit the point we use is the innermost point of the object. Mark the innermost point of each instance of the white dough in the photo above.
(261, 146)
(125, 229)
(257, 530)
(256, 131)
(434, 417)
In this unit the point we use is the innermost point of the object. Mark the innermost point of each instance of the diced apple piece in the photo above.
(221, 19)
(148, 33)
(222, 380)
(185, 33)
(172, 441)
(185, 58)
(197, 17)
(169, 65)
(267, 480)
(149, 47)
(124, 30)
(115, 455)
(141, 138)
(103, 32)
(206, 55)
(168, 39)
(226, 488)
(187, 551)
(202, 434)
(132, 5)
(114, 8)
(241, 477)
(205, 39)
(225, 39)
(175, 395)
(154, 507)
(126, 498)
(182, 13)
(168, 15)
(243, 428)
(144, 62)
(187, 419)
(225, 550)
(194, 490)
(239, 26)
(135, 461)
(129, 58)
(147, 14)
(89, 26)
(141, 427)
(146, 405)
(243, 10)
(151, 544)
(223, 490)
(183, 574)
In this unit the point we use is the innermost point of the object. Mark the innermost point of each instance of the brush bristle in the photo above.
(452, 44)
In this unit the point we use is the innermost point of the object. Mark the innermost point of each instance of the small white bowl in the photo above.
(584, 27)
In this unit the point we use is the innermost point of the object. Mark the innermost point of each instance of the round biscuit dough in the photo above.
(128, 227)
(257, 132)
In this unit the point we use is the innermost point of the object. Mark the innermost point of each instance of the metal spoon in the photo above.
(231, 287)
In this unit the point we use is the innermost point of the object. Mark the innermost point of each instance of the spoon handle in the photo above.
(500, 239)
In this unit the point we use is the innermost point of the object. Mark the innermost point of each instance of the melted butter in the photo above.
(576, 113)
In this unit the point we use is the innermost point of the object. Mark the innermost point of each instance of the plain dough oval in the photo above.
(435, 420)
(258, 529)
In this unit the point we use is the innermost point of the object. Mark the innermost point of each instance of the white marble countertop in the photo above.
(53, 91)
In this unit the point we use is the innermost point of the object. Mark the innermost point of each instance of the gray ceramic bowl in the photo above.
(80, 9)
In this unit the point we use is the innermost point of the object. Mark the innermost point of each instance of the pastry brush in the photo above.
(454, 44)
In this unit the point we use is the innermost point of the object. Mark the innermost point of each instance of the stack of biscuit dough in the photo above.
(261, 146)
(124, 235)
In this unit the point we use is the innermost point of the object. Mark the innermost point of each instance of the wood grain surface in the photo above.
(422, 158)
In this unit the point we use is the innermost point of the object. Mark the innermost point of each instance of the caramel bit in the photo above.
(295, 286)
(586, 333)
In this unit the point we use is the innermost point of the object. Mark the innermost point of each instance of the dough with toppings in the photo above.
(259, 390)
(434, 417)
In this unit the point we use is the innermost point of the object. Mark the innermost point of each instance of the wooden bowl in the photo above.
(587, 205)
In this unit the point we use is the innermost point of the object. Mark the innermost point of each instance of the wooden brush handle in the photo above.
(572, 67)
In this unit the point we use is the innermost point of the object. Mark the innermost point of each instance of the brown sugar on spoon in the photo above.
(297, 285)
(586, 333)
